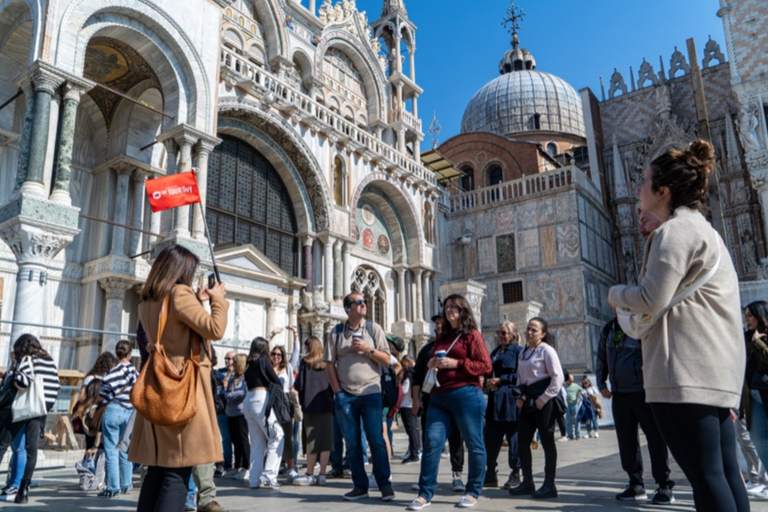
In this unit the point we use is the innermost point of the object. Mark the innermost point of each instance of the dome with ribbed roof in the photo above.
(523, 99)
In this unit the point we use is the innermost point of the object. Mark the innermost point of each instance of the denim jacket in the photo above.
(619, 358)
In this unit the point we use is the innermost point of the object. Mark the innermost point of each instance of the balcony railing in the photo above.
(290, 100)
(407, 118)
(525, 188)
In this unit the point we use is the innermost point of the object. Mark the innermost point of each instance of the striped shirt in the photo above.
(47, 370)
(117, 385)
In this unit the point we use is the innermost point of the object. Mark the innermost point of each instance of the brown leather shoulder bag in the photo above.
(163, 395)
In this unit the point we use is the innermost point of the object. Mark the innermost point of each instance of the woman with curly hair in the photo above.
(755, 397)
(688, 297)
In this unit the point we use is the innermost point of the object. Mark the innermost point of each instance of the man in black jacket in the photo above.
(620, 358)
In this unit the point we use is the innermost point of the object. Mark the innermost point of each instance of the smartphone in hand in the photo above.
(211, 280)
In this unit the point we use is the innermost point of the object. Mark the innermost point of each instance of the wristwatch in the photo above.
(372, 351)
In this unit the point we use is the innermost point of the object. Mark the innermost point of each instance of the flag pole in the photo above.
(210, 245)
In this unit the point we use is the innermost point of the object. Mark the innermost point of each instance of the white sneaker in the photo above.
(467, 501)
(563, 439)
(305, 480)
(754, 488)
(587, 436)
(418, 504)
(759, 496)
(241, 474)
(595, 435)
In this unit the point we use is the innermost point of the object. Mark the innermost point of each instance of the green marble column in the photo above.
(66, 143)
(26, 135)
(45, 85)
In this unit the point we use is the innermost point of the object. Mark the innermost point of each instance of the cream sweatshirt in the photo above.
(695, 353)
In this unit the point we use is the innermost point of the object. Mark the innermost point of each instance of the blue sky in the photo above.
(460, 43)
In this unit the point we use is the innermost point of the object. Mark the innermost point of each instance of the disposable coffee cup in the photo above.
(356, 336)
(440, 353)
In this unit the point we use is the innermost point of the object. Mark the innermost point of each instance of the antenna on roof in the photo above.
(434, 130)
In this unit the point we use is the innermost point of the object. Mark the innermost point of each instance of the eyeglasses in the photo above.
(278, 354)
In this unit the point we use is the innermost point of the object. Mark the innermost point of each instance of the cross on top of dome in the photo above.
(516, 59)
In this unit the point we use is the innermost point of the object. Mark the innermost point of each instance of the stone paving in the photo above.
(589, 475)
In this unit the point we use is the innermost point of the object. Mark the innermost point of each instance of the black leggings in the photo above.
(529, 421)
(495, 432)
(411, 428)
(702, 440)
(164, 489)
(238, 433)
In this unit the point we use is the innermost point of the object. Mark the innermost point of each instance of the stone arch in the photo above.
(296, 165)
(367, 65)
(158, 38)
(134, 126)
(16, 32)
(16, 12)
(271, 16)
(232, 35)
(402, 206)
(304, 62)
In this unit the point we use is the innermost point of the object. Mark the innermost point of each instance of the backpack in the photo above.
(281, 404)
(391, 390)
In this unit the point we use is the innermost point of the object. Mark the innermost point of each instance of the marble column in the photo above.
(45, 84)
(172, 152)
(26, 134)
(401, 294)
(202, 152)
(181, 214)
(121, 209)
(345, 270)
(401, 140)
(417, 273)
(412, 58)
(328, 269)
(71, 97)
(307, 261)
(338, 271)
(269, 307)
(427, 294)
(114, 289)
(137, 213)
(312, 9)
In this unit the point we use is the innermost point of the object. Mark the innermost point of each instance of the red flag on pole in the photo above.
(173, 191)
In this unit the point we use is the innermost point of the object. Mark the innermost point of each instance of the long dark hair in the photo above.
(259, 349)
(105, 362)
(759, 310)
(548, 338)
(685, 173)
(174, 265)
(466, 317)
(29, 345)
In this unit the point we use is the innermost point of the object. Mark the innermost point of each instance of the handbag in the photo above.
(639, 325)
(30, 403)
(94, 413)
(163, 395)
(430, 379)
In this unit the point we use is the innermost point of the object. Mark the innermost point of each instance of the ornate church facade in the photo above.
(300, 120)
(545, 218)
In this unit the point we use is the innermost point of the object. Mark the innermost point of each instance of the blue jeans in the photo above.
(112, 430)
(758, 429)
(19, 458)
(352, 410)
(337, 454)
(572, 422)
(464, 407)
(226, 442)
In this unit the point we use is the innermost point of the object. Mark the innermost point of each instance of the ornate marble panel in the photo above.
(486, 255)
(548, 246)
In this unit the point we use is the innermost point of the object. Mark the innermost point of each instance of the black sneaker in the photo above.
(632, 493)
(663, 496)
(411, 460)
(387, 494)
(9, 490)
(356, 494)
(336, 473)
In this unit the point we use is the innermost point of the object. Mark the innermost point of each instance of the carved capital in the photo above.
(72, 92)
(45, 80)
(115, 287)
(31, 244)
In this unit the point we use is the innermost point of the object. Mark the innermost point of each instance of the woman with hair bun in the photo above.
(693, 365)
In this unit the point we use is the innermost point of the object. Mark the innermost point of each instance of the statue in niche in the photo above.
(338, 13)
(748, 129)
(630, 269)
(663, 101)
(748, 251)
(326, 12)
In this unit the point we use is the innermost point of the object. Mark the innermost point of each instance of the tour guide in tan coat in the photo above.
(171, 452)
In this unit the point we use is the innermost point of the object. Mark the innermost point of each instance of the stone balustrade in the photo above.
(407, 118)
(525, 188)
(286, 98)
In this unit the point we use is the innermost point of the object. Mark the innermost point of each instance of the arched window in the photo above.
(368, 283)
(247, 203)
(552, 149)
(338, 181)
(537, 121)
(495, 175)
(468, 180)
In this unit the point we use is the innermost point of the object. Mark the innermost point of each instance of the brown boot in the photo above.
(211, 506)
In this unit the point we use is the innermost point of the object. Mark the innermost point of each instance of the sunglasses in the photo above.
(228, 359)
(503, 333)
(273, 354)
(360, 302)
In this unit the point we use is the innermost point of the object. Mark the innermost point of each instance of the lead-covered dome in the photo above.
(524, 100)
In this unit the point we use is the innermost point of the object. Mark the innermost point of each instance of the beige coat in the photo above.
(199, 441)
(695, 353)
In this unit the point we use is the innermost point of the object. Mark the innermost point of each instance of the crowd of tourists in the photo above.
(672, 362)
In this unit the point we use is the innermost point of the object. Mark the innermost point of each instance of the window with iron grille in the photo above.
(249, 204)
(512, 292)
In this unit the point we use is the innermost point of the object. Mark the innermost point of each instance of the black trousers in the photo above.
(412, 429)
(702, 441)
(238, 433)
(629, 412)
(542, 420)
(32, 431)
(164, 489)
(560, 418)
(455, 442)
(495, 432)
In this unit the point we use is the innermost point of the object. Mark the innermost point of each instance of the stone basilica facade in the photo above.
(301, 120)
(544, 219)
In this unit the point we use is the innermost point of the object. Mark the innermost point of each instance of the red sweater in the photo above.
(473, 357)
